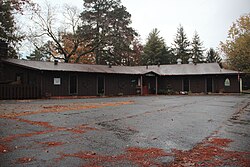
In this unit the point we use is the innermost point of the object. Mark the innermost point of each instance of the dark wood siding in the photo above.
(221, 88)
(87, 84)
(170, 82)
(197, 84)
(120, 84)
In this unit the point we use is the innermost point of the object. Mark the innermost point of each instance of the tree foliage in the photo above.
(212, 56)
(197, 49)
(38, 55)
(106, 24)
(236, 47)
(181, 45)
(8, 26)
(155, 51)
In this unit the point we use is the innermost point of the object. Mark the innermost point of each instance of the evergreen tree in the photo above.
(212, 56)
(106, 24)
(38, 55)
(155, 51)
(8, 26)
(181, 45)
(197, 49)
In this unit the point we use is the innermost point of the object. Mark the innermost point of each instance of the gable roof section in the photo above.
(164, 70)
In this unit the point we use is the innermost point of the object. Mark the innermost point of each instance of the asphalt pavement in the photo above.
(126, 131)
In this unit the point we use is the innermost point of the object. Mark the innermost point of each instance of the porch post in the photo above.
(141, 86)
(156, 85)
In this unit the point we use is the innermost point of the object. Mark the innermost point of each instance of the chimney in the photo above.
(159, 64)
(55, 62)
(179, 61)
(146, 66)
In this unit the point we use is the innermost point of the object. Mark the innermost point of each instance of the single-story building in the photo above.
(35, 79)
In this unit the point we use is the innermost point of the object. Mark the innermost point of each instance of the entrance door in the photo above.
(209, 85)
(101, 85)
(73, 84)
(186, 84)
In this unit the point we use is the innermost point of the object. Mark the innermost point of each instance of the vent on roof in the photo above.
(159, 64)
(110, 65)
(190, 61)
(179, 61)
(55, 62)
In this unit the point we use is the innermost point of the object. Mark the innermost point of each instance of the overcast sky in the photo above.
(210, 18)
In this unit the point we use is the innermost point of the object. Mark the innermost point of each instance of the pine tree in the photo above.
(106, 24)
(8, 28)
(37, 55)
(212, 56)
(8, 24)
(181, 45)
(155, 51)
(154, 48)
(197, 49)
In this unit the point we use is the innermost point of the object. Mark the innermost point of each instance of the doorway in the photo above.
(100, 85)
(73, 84)
(186, 84)
(209, 84)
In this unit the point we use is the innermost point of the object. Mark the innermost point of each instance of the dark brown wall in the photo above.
(120, 84)
(197, 84)
(87, 84)
(29, 77)
(219, 86)
(114, 83)
(171, 82)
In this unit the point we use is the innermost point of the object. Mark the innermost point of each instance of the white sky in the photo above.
(210, 18)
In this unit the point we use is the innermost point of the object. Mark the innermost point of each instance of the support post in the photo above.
(156, 85)
(141, 86)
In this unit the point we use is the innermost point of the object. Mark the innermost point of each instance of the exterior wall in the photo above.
(48, 87)
(197, 84)
(170, 82)
(28, 76)
(219, 86)
(120, 84)
(87, 84)
(115, 84)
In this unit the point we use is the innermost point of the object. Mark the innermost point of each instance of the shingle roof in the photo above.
(174, 69)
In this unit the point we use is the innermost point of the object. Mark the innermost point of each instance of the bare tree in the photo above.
(63, 40)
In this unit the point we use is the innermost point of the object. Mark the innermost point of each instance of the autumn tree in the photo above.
(9, 30)
(181, 45)
(236, 47)
(212, 56)
(107, 24)
(197, 49)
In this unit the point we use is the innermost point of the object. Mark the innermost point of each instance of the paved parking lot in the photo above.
(126, 131)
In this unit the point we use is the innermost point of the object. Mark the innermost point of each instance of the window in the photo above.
(57, 81)
(227, 82)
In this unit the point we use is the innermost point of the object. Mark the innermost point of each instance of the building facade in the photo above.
(35, 79)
